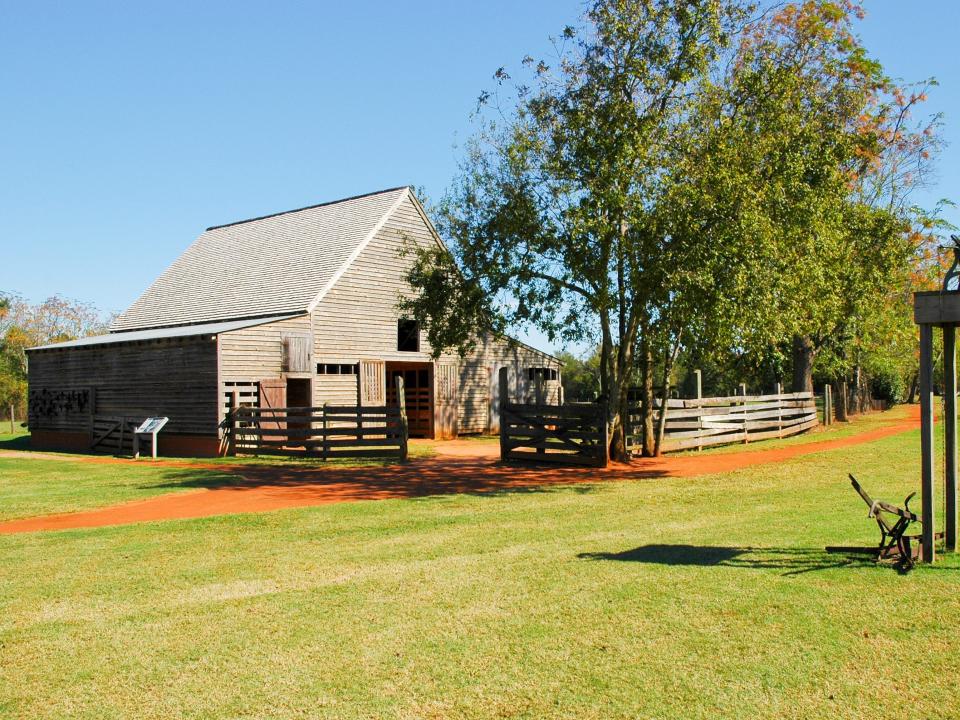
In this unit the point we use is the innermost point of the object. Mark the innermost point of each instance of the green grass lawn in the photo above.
(40, 487)
(705, 597)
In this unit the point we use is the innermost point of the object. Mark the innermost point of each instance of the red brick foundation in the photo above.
(169, 445)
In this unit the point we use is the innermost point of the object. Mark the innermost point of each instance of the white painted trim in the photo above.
(428, 223)
(358, 249)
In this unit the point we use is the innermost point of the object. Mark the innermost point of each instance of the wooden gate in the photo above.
(113, 434)
(327, 431)
(574, 434)
(445, 405)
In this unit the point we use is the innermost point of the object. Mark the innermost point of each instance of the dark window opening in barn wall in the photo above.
(336, 369)
(541, 373)
(408, 336)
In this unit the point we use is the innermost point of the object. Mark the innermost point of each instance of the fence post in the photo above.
(12, 429)
(828, 404)
(778, 391)
(504, 381)
(325, 445)
(743, 404)
(233, 424)
(92, 409)
(404, 430)
(604, 434)
(699, 390)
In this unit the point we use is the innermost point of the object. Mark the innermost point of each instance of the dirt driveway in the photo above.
(459, 466)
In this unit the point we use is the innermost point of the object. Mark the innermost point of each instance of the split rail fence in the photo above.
(329, 431)
(702, 422)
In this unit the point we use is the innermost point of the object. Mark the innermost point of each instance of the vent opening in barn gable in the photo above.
(408, 336)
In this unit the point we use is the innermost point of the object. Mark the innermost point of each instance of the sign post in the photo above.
(151, 426)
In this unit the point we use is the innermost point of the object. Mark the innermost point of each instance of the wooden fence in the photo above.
(113, 434)
(573, 434)
(702, 422)
(328, 431)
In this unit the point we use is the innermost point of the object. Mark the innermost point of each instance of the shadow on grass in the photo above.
(20, 442)
(794, 561)
(411, 480)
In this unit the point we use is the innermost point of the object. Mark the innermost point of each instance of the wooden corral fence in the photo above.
(702, 422)
(572, 434)
(328, 431)
(113, 434)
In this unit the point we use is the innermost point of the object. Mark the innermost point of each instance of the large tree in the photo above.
(825, 139)
(558, 215)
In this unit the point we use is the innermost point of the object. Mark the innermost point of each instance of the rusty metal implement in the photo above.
(893, 522)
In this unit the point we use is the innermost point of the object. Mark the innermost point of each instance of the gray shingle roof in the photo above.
(162, 333)
(273, 265)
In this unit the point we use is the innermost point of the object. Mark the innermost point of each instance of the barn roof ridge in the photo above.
(309, 207)
(256, 266)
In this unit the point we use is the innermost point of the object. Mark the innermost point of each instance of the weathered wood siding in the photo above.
(479, 388)
(358, 317)
(176, 378)
(256, 353)
(357, 320)
(335, 389)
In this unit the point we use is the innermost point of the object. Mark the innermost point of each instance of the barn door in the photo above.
(273, 394)
(373, 382)
(445, 406)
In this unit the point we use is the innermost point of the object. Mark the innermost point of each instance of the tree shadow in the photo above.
(410, 480)
(432, 477)
(793, 561)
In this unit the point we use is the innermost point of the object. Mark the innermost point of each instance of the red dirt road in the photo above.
(460, 467)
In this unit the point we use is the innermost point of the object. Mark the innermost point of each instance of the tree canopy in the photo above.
(699, 177)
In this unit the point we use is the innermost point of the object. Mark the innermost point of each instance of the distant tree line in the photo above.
(694, 184)
(24, 325)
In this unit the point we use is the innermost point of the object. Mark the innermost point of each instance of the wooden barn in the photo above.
(293, 309)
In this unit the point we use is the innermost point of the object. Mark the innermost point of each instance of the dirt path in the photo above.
(460, 467)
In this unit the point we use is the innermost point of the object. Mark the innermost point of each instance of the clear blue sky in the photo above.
(128, 128)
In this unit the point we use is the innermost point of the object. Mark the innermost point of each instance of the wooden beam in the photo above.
(404, 425)
(926, 440)
(950, 434)
(504, 381)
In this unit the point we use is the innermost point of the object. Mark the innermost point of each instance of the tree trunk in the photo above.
(804, 354)
(617, 415)
(858, 404)
(913, 388)
(668, 364)
(843, 397)
(646, 398)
